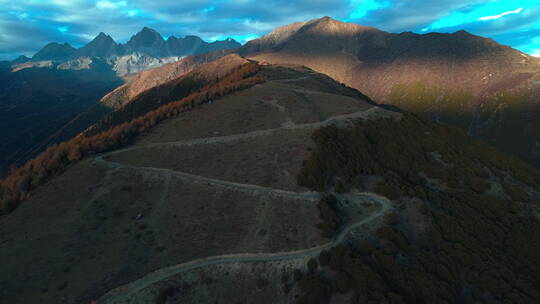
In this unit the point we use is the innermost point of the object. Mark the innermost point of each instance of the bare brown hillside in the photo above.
(196, 80)
(155, 77)
(111, 221)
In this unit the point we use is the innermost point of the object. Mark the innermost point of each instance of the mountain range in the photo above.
(146, 49)
(490, 90)
(43, 98)
(486, 88)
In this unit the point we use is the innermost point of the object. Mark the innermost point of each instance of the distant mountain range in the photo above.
(146, 49)
(490, 90)
(53, 95)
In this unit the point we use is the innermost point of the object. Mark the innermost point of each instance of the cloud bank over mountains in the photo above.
(27, 25)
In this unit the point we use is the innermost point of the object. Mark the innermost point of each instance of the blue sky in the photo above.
(27, 25)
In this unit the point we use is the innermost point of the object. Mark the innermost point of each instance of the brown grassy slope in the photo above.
(95, 239)
(121, 96)
(273, 159)
(168, 91)
(459, 233)
(117, 130)
(156, 77)
(465, 73)
(107, 227)
(374, 61)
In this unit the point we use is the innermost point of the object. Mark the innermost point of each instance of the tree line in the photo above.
(17, 186)
(479, 244)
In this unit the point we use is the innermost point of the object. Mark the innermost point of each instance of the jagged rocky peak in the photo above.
(192, 38)
(55, 51)
(21, 59)
(103, 38)
(227, 43)
(146, 49)
(146, 37)
(330, 26)
(148, 42)
(101, 46)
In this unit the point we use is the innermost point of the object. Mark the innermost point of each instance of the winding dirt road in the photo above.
(367, 114)
(123, 293)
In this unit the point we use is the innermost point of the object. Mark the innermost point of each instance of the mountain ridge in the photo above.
(146, 42)
(457, 78)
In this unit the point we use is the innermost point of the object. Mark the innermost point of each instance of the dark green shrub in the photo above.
(329, 214)
(164, 294)
(8, 205)
(314, 290)
(312, 265)
(515, 192)
(342, 282)
(324, 258)
(460, 238)
(478, 185)
(340, 187)
(297, 275)
(389, 190)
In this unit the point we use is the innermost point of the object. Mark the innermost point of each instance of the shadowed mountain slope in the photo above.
(155, 77)
(195, 77)
(36, 103)
(124, 94)
(54, 96)
(55, 51)
(101, 46)
(490, 90)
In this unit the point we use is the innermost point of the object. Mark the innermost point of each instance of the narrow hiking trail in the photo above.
(123, 293)
(371, 112)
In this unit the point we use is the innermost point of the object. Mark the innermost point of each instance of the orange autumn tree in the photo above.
(17, 186)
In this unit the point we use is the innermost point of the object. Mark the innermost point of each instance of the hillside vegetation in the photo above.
(119, 129)
(464, 227)
(491, 120)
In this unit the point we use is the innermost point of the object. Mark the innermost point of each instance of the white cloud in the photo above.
(535, 53)
(110, 4)
(21, 16)
(516, 11)
(133, 12)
